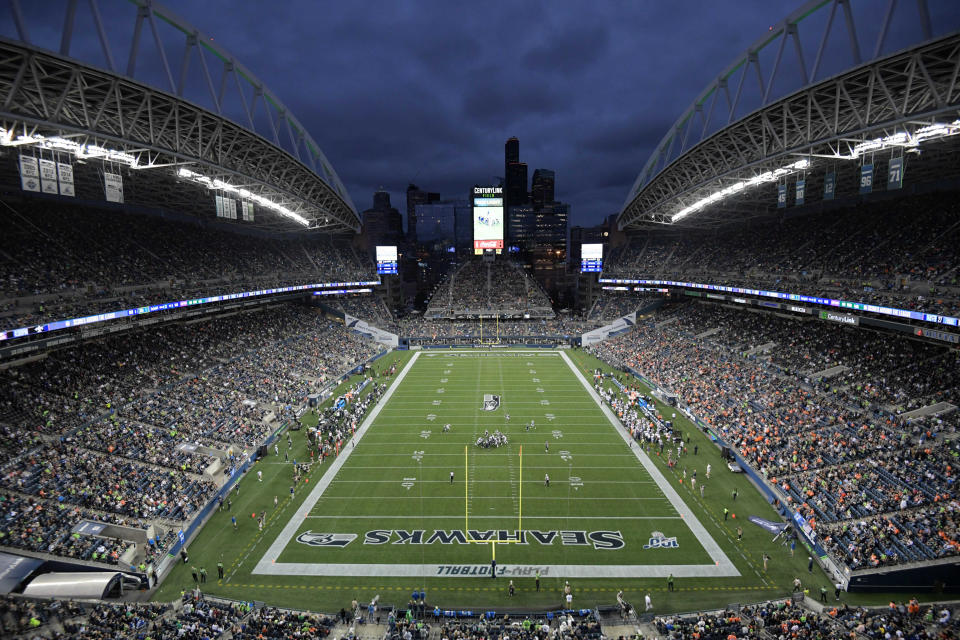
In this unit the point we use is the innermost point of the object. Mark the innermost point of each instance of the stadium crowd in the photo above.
(370, 307)
(124, 431)
(562, 627)
(878, 489)
(901, 253)
(485, 286)
(74, 475)
(418, 327)
(790, 620)
(611, 305)
(194, 617)
(66, 261)
(27, 524)
(278, 624)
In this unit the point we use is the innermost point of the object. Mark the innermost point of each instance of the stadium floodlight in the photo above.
(81, 151)
(902, 139)
(737, 187)
(93, 151)
(219, 185)
(905, 139)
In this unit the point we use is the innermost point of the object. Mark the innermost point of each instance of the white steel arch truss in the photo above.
(708, 149)
(229, 127)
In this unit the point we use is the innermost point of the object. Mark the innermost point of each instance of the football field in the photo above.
(411, 498)
(411, 504)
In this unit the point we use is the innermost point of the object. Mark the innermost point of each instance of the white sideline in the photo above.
(725, 568)
(270, 557)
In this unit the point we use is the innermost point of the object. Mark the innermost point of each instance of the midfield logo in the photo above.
(660, 541)
(326, 539)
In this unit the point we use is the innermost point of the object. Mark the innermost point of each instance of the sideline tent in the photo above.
(93, 584)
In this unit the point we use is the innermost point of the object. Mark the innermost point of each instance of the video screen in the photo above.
(591, 258)
(487, 219)
(386, 260)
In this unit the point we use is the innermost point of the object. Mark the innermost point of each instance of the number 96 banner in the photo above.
(866, 178)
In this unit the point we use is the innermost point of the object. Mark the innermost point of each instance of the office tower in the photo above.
(382, 223)
(416, 196)
(541, 190)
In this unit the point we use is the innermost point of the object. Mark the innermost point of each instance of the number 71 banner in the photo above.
(895, 173)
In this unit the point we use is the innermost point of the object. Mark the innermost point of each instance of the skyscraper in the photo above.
(550, 246)
(514, 176)
(437, 222)
(415, 196)
(511, 152)
(515, 191)
(541, 191)
(522, 229)
(382, 223)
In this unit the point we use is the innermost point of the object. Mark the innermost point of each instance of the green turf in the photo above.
(371, 484)
(385, 485)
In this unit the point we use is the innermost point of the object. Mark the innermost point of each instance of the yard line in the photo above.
(444, 397)
(493, 466)
(517, 440)
(538, 455)
(507, 517)
(417, 497)
(592, 482)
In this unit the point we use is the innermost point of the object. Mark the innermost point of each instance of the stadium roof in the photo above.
(710, 167)
(211, 122)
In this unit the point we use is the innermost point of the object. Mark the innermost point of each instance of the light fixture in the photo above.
(80, 151)
(93, 151)
(766, 176)
(900, 139)
(219, 185)
(904, 139)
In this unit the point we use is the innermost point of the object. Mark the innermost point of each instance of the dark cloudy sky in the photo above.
(429, 91)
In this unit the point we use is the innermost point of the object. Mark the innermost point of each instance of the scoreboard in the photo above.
(386, 260)
(487, 219)
(591, 258)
